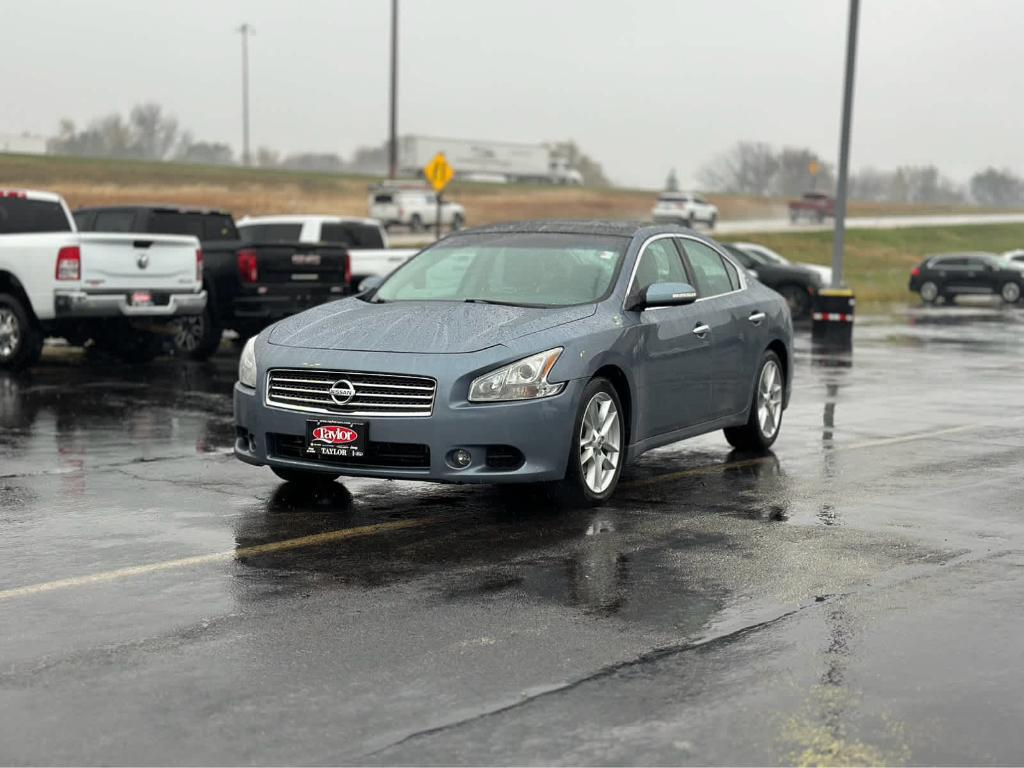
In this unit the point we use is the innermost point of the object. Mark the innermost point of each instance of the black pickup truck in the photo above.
(249, 284)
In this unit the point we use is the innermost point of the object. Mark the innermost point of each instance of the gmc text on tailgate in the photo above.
(249, 284)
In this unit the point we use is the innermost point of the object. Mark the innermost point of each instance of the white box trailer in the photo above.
(486, 160)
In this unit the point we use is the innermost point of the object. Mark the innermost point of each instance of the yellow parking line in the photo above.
(315, 539)
(343, 534)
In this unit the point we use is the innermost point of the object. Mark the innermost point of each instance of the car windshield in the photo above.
(522, 269)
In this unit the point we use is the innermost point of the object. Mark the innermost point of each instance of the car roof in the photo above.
(576, 227)
(301, 218)
(960, 255)
(158, 208)
(30, 194)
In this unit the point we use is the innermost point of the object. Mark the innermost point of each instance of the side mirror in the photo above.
(369, 283)
(668, 295)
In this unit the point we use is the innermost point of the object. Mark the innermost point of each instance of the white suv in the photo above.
(414, 207)
(684, 208)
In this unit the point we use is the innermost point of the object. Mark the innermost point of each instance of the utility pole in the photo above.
(393, 117)
(245, 30)
(844, 146)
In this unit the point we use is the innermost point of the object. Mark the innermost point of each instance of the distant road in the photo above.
(401, 239)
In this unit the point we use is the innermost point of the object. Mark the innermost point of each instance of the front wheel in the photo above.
(458, 221)
(598, 445)
(416, 223)
(1010, 292)
(712, 220)
(762, 427)
(301, 476)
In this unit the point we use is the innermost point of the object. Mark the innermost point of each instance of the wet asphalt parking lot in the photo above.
(856, 596)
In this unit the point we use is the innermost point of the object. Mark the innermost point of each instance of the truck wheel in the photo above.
(21, 343)
(197, 336)
(689, 221)
(712, 220)
(794, 217)
(457, 222)
(765, 418)
(416, 223)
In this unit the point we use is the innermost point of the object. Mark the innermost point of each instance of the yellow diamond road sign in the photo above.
(438, 172)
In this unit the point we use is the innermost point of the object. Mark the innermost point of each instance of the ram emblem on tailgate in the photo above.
(306, 259)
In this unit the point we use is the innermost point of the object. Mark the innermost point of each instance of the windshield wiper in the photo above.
(504, 303)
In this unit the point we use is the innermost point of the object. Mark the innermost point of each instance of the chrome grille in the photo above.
(376, 394)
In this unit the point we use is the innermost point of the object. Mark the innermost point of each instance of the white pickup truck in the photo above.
(365, 239)
(114, 289)
(415, 207)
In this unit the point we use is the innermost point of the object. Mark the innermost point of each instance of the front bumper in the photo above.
(85, 304)
(541, 430)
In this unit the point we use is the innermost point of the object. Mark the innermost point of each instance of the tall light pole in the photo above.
(393, 117)
(844, 146)
(245, 30)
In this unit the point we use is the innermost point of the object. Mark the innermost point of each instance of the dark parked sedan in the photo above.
(798, 285)
(550, 351)
(954, 274)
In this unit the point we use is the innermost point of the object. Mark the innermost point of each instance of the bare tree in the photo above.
(997, 188)
(746, 169)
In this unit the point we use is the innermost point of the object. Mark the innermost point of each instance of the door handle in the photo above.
(701, 330)
(756, 317)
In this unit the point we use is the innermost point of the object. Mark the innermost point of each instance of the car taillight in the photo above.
(915, 272)
(248, 270)
(69, 263)
(199, 265)
(348, 269)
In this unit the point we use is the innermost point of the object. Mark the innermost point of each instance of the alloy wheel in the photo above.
(1011, 293)
(929, 291)
(10, 333)
(769, 399)
(600, 442)
(188, 333)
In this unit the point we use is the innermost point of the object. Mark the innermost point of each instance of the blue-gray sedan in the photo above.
(531, 352)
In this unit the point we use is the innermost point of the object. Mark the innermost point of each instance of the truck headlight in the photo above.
(247, 364)
(524, 379)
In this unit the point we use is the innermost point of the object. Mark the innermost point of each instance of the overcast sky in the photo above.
(642, 86)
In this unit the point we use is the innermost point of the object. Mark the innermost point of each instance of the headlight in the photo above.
(247, 364)
(525, 379)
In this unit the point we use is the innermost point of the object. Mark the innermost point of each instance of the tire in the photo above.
(929, 292)
(798, 299)
(1010, 292)
(416, 223)
(593, 481)
(819, 217)
(21, 341)
(712, 220)
(196, 336)
(457, 222)
(759, 433)
(303, 476)
(135, 346)
(794, 217)
(689, 222)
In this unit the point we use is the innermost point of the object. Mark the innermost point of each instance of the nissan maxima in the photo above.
(522, 353)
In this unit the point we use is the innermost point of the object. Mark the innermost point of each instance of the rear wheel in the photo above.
(303, 475)
(597, 448)
(798, 299)
(929, 292)
(416, 223)
(21, 342)
(765, 419)
(197, 336)
(1010, 292)
(712, 220)
(689, 221)
(457, 222)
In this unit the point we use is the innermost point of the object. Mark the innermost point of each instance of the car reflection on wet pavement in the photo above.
(854, 596)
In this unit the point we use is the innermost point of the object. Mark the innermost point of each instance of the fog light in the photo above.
(460, 458)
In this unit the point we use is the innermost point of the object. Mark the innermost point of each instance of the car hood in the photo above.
(426, 327)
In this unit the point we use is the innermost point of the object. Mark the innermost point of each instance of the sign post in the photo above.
(439, 174)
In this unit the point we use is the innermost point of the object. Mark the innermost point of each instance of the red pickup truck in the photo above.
(816, 206)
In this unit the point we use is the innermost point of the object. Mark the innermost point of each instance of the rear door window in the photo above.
(21, 215)
(114, 221)
(272, 233)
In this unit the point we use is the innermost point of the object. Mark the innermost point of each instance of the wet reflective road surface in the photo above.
(857, 596)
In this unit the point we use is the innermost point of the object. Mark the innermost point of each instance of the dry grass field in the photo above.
(89, 181)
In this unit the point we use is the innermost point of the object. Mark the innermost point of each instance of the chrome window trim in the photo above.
(740, 271)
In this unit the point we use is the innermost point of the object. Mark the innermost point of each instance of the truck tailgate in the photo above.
(138, 261)
(301, 263)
